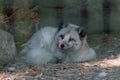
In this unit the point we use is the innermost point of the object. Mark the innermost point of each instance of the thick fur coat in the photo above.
(68, 43)
(38, 49)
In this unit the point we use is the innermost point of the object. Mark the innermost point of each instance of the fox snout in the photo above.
(61, 46)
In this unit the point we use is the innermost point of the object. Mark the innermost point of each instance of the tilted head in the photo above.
(69, 37)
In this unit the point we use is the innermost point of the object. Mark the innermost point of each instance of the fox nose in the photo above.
(62, 46)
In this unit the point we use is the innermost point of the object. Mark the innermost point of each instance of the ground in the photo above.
(105, 67)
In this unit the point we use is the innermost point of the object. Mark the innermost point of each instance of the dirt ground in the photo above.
(105, 67)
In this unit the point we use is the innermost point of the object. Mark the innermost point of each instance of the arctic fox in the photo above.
(68, 43)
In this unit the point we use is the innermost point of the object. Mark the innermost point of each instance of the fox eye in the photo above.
(62, 36)
(72, 39)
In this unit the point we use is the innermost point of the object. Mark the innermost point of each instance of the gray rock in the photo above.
(11, 69)
(102, 74)
(7, 48)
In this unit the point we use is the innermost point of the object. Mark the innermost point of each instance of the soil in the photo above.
(105, 67)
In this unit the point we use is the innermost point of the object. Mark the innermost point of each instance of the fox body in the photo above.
(68, 43)
(38, 49)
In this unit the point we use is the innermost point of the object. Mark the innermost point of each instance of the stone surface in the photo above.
(7, 48)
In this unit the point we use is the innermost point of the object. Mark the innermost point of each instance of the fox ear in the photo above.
(61, 25)
(82, 33)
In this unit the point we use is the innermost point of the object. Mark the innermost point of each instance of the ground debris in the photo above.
(105, 67)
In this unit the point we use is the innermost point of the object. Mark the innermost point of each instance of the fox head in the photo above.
(70, 37)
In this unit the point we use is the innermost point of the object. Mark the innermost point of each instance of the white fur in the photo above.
(42, 48)
(38, 49)
(40, 39)
(38, 56)
(84, 53)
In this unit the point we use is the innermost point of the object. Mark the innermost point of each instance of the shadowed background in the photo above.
(24, 17)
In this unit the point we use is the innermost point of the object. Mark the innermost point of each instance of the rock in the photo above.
(23, 79)
(11, 69)
(7, 48)
(102, 74)
(110, 51)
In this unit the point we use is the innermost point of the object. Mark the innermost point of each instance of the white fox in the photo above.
(68, 43)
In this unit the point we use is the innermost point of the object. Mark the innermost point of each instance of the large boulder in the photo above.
(7, 48)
